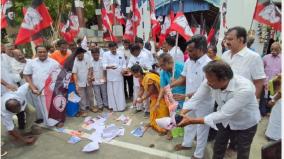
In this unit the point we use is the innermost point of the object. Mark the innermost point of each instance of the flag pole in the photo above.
(176, 45)
(253, 16)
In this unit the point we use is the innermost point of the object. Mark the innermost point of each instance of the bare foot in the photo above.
(179, 147)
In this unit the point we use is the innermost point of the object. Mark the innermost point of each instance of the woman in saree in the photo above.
(150, 88)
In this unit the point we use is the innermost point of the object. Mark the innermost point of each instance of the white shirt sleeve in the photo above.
(184, 71)
(257, 69)
(104, 60)
(23, 90)
(8, 122)
(75, 68)
(28, 68)
(200, 95)
(240, 99)
(130, 62)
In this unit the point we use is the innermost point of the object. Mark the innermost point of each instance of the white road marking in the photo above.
(147, 150)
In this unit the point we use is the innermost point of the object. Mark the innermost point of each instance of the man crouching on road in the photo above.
(14, 103)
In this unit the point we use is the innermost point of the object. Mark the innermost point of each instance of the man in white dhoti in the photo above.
(115, 65)
(35, 73)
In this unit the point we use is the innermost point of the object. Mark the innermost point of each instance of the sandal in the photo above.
(179, 147)
(81, 114)
(94, 109)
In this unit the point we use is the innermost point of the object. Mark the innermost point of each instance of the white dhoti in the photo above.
(116, 97)
(41, 111)
(201, 130)
(146, 103)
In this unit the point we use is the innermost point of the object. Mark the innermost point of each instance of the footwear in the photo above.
(179, 147)
(94, 109)
(193, 157)
(81, 114)
(137, 111)
(3, 153)
(39, 121)
(60, 125)
(146, 114)
(35, 130)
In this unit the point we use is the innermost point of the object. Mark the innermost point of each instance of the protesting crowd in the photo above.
(219, 97)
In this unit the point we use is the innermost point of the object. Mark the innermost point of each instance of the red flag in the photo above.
(109, 9)
(180, 25)
(155, 24)
(213, 33)
(128, 34)
(70, 29)
(136, 17)
(7, 15)
(166, 27)
(107, 25)
(268, 13)
(118, 15)
(195, 27)
(34, 21)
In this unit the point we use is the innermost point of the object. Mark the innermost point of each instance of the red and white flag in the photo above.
(155, 24)
(107, 26)
(7, 15)
(35, 20)
(118, 14)
(268, 13)
(181, 25)
(128, 34)
(136, 17)
(70, 29)
(166, 27)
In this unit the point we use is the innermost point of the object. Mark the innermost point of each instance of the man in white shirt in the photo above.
(175, 51)
(140, 42)
(127, 79)
(35, 73)
(99, 80)
(18, 65)
(141, 58)
(8, 78)
(243, 62)
(83, 74)
(193, 76)
(13, 103)
(115, 65)
(237, 111)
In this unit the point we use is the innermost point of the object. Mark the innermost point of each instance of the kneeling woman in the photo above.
(150, 88)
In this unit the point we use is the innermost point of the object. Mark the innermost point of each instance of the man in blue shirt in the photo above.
(167, 65)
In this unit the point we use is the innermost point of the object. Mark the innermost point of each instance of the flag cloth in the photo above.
(119, 17)
(213, 34)
(136, 16)
(36, 19)
(155, 24)
(70, 29)
(195, 27)
(55, 92)
(181, 25)
(128, 34)
(107, 26)
(166, 27)
(268, 13)
(7, 15)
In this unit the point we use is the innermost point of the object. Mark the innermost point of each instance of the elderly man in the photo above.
(18, 65)
(35, 73)
(193, 76)
(237, 111)
(14, 103)
(8, 78)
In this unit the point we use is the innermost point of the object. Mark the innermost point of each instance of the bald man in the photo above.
(18, 65)
(14, 103)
